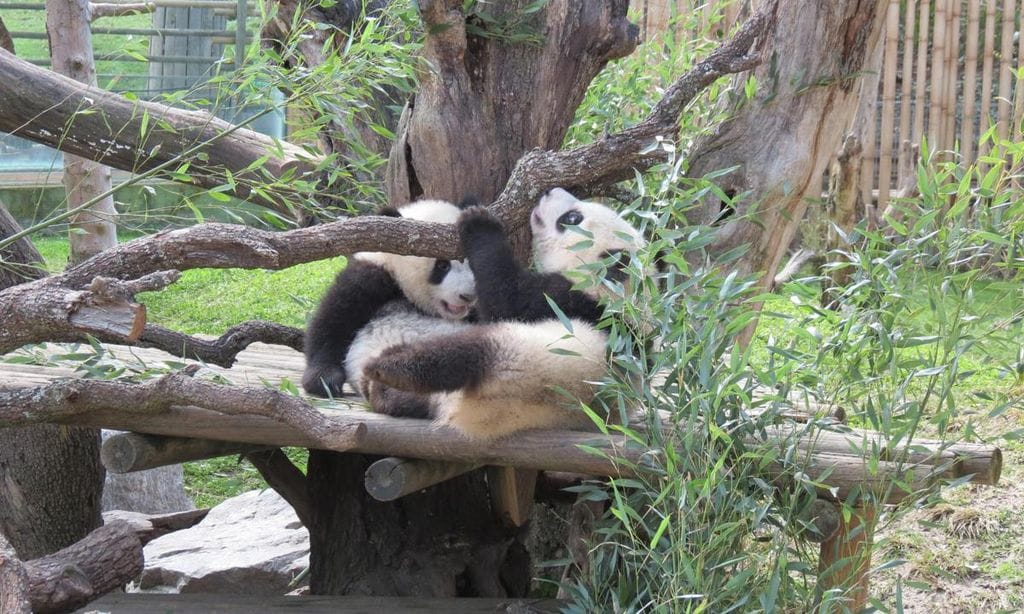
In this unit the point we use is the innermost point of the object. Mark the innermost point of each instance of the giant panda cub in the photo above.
(385, 296)
(512, 371)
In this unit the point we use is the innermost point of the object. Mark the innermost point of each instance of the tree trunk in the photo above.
(94, 229)
(480, 107)
(783, 138)
(485, 103)
(50, 476)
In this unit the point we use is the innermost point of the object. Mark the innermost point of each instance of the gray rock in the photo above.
(153, 491)
(252, 544)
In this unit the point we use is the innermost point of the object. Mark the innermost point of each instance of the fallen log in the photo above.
(151, 526)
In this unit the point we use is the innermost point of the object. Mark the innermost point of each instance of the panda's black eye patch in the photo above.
(569, 218)
(441, 268)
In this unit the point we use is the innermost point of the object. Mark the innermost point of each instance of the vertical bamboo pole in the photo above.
(921, 77)
(892, 32)
(1005, 66)
(938, 81)
(908, 71)
(952, 74)
(967, 134)
(1018, 104)
(985, 110)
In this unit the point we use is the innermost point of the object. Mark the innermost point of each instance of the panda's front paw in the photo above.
(476, 222)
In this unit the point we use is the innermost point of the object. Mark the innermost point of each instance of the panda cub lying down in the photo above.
(511, 370)
(375, 287)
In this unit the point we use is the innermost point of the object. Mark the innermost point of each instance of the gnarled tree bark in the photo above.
(807, 95)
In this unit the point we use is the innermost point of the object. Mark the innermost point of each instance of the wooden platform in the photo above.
(260, 364)
(120, 603)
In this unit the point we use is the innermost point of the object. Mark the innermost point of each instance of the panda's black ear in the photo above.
(469, 201)
(389, 211)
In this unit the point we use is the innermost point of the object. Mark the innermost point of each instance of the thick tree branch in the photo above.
(135, 135)
(222, 246)
(47, 310)
(616, 156)
(61, 400)
(286, 479)
(149, 527)
(106, 559)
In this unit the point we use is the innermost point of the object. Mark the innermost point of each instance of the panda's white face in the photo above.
(557, 248)
(444, 288)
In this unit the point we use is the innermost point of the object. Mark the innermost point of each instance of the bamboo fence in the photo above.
(948, 75)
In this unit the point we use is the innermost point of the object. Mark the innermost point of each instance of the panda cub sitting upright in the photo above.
(374, 290)
(511, 372)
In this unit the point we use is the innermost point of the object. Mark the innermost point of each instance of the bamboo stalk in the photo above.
(952, 73)
(907, 73)
(921, 76)
(892, 31)
(985, 110)
(938, 81)
(1018, 104)
(1005, 68)
(867, 120)
(967, 134)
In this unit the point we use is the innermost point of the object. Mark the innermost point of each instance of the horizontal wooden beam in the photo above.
(841, 464)
(392, 477)
(127, 452)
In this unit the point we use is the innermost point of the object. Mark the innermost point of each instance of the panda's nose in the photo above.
(468, 298)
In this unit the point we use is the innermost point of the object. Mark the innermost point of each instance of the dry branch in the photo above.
(135, 135)
(223, 350)
(149, 527)
(286, 479)
(60, 401)
(45, 310)
(616, 156)
(106, 559)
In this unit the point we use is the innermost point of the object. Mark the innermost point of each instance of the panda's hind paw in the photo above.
(397, 367)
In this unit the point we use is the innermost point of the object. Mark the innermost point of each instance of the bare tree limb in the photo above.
(221, 246)
(149, 527)
(616, 156)
(61, 400)
(106, 559)
(135, 135)
(47, 310)
(286, 479)
(223, 350)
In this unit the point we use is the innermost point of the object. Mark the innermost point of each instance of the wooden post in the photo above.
(93, 230)
(892, 31)
(967, 134)
(920, 78)
(512, 493)
(846, 557)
